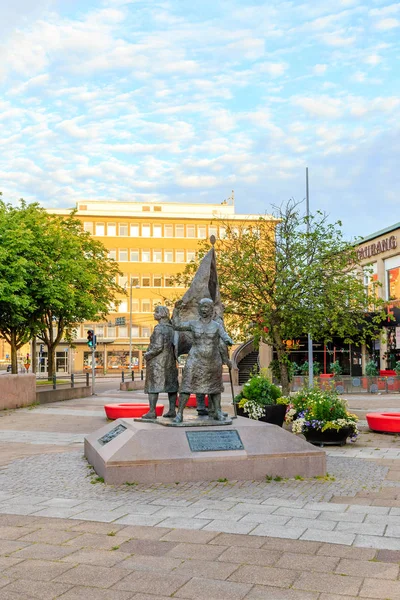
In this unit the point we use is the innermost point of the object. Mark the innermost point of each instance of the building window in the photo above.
(394, 283)
(213, 231)
(146, 281)
(157, 231)
(111, 331)
(135, 331)
(191, 231)
(146, 306)
(146, 255)
(99, 329)
(201, 233)
(111, 229)
(222, 232)
(168, 282)
(157, 256)
(100, 228)
(134, 255)
(190, 255)
(123, 280)
(146, 208)
(134, 230)
(123, 255)
(87, 226)
(112, 254)
(145, 230)
(123, 229)
(180, 231)
(157, 281)
(122, 332)
(180, 256)
(157, 209)
(135, 305)
(146, 332)
(168, 256)
(123, 307)
(168, 231)
(135, 282)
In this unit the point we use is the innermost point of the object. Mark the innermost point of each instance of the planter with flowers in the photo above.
(322, 417)
(261, 400)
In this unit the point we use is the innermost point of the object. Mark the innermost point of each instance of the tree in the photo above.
(65, 276)
(284, 277)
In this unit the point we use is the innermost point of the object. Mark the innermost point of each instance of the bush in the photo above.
(371, 370)
(336, 369)
(257, 393)
(397, 368)
(316, 368)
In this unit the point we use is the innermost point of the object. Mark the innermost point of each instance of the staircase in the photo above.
(246, 366)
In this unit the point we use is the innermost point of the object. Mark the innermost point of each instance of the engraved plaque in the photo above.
(210, 441)
(112, 434)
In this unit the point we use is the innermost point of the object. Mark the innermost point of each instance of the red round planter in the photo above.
(385, 422)
(192, 401)
(129, 410)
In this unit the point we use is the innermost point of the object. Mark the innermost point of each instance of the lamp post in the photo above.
(130, 321)
(310, 343)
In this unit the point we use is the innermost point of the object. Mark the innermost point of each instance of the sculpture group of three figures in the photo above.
(197, 330)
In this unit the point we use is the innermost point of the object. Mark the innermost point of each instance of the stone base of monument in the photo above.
(128, 451)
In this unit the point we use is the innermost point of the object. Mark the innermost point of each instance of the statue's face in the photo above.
(206, 309)
(157, 314)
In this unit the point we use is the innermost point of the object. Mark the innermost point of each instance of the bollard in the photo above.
(123, 376)
(87, 379)
(54, 382)
(72, 380)
(133, 375)
(141, 374)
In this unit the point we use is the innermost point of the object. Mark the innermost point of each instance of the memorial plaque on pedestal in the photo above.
(211, 441)
(112, 434)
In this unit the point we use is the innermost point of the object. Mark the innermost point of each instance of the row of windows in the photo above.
(146, 281)
(157, 256)
(155, 231)
(144, 305)
(103, 331)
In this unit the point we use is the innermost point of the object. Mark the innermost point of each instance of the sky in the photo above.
(186, 101)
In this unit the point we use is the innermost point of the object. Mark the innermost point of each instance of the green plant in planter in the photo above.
(336, 369)
(316, 368)
(257, 393)
(397, 368)
(371, 370)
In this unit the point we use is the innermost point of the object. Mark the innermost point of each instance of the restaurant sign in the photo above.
(389, 243)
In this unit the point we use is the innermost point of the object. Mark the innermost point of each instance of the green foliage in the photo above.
(371, 370)
(260, 390)
(316, 368)
(397, 368)
(336, 369)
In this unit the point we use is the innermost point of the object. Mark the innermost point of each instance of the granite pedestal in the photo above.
(131, 451)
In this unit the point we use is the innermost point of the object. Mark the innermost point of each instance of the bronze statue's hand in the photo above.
(146, 356)
(229, 364)
(229, 342)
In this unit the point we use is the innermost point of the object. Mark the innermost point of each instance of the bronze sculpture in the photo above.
(202, 373)
(161, 369)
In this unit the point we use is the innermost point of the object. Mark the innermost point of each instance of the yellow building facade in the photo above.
(151, 243)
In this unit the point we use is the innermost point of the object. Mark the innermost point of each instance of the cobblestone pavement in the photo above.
(65, 534)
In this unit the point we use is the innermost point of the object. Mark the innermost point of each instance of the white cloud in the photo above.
(387, 24)
(319, 69)
(373, 60)
(273, 69)
(324, 107)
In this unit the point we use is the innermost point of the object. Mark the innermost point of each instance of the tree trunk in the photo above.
(282, 360)
(51, 362)
(33, 355)
(14, 360)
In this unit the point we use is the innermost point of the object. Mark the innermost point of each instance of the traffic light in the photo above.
(90, 340)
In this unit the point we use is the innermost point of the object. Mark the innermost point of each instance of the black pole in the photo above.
(72, 380)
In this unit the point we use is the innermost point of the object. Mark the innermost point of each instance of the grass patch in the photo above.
(97, 480)
(50, 381)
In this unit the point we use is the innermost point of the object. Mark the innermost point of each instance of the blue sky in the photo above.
(185, 101)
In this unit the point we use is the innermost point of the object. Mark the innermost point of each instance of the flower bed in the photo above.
(312, 411)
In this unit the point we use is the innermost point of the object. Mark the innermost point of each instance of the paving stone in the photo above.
(14, 520)
(327, 507)
(309, 562)
(94, 527)
(263, 592)
(321, 582)
(265, 575)
(342, 517)
(297, 512)
(347, 552)
(207, 569)
(184, 523)
(90, 575)
(251, 556)
(196, 551)
(159, 583)
(363, 568)
(337, 537)
(86, 593)
(131, 519)
(233, 539)
(138, 562)
(8, 546)
(312, 524)
(38, 570)
(362, 528)
(49, 536)
(335, 597)
(374, 541)
(14, 533)
(276, 531)
(219, 515)
(378, 588)
(93, 540)
(230, 527)
(148, 547)
(100, 558)
(201, 537)
(8, 561)
(369, 510)
(104, 516)
(43, 590)
(286, 545)
(145, 533)
(44, 551)
(267, 519)
(387, 556)
(212, 589)
(58, 512)
(7, 595)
